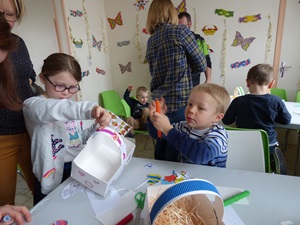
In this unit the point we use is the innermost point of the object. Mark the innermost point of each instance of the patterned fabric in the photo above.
(204, 147)
(12, 122)
(172, 53)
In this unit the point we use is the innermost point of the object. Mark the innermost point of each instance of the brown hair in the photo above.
(219, 93)
(60, 62)
(186, 15)
(161, 11)
(8, 94)
(261, 74)
(141, 89)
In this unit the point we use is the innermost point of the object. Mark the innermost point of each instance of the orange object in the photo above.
(158, 109)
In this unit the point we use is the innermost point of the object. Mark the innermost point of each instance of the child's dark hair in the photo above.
(139, 89)
(186, 15)
(8, 94)
(261, 74)
(60, 62)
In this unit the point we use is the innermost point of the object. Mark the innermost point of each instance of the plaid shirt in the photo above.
(172, 53)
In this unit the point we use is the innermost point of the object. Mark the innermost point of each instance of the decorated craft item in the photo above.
(243, 42)
(223, 12)
(190, 202)
(96, 44)
(76, 13)
(88, 34)
(138, 43)
(252, 18)
(119, 125)
(114, 22)
(71, 189)
(145, 31)
(59, 222)
(175, 177)
(125, 68)
(100, 71)
(209, 31)
(71, 38)
(85, 73)
(210, 50)
(123, 43)
(181, 7)
(140, 4)
(269, 40)
(239, 64)
(103, 37)
(77, 43)
(153, 179)
(223, 53)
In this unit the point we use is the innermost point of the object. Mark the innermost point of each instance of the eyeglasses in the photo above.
(9, 16)
(62, 88)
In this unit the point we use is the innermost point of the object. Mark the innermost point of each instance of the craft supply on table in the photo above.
(140, 200)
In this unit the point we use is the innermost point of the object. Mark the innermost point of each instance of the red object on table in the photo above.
(127, 219)
(158, 109)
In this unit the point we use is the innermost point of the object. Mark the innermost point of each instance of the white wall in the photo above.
(39, 34)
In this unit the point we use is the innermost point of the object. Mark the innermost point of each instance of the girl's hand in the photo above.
(17, 214)
(101, 116)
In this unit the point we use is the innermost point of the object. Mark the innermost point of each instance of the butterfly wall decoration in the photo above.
(100, 71)
(140, 4)
(125, 68)
(85, 73)
(78, 44)
(243, 42)
(114, 22)
(96, 44)
(181, 7)
(76, 13)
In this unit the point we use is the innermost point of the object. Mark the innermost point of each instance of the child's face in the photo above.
(201, 111)
(62, 79)
(143, 97)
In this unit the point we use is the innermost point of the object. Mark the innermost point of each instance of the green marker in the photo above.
(236, 198)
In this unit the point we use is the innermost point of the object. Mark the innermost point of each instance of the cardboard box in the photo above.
(102, 160)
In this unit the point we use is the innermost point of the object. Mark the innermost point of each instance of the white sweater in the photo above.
(56, 135)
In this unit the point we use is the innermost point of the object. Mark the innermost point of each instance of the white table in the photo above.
(274, 198)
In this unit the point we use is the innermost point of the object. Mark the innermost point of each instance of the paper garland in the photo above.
(88, 34)
(138, 43)
(269, 40)
(103, 37)
(71, 38)
(243, 42)
(210, 31)
(195, 21)
(223, 58)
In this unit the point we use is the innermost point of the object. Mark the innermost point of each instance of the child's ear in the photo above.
(248, 83)
(271, 84)
(218, 117)
(42, 78)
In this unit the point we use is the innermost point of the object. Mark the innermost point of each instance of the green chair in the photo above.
(19, 171)
(128, 114)
(280, 92)
(248, 149)
(111, 101)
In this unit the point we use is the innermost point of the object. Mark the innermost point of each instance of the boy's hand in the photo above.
(160, 121)
(101, 116)
(129, 87)
(17, 213)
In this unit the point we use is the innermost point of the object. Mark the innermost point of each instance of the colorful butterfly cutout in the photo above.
(100, 71)
(78, 44)
(96, 43)
(140, 4)
(85, 73)
(76, 13)
(125, 68)
(114, 22)
(181, 7)
(59, 222)
(243, 42)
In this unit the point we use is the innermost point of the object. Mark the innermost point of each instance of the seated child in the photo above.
(259, 109)
(51, 120)
(199, 139)
(138, 107)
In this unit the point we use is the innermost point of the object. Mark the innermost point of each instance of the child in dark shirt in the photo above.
(138, 107)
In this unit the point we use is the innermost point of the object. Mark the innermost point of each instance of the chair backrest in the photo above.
(248, 149)
(112, 101)
(126, 108)
(297, 96)
(280, 92)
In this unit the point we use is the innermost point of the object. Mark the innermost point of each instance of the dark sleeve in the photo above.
(208, 61)
(230, 115)
(283, 116)
(127, 98)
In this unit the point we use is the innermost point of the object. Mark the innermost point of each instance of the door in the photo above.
(289, 68)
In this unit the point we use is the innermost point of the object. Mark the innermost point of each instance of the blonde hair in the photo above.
(219, 93)
(260, 74)
(141, 89)
(161, 11)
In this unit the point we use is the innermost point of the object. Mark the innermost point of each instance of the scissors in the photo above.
(140, 200)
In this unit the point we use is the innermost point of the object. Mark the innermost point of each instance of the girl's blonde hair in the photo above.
(219, 93)
(161, 11)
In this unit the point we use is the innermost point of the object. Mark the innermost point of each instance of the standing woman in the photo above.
(14, 139)
(172, 54)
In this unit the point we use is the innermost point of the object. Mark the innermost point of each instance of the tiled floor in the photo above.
(144, 148)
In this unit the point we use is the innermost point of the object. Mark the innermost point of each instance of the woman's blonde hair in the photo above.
(20, 9)
(161, 11)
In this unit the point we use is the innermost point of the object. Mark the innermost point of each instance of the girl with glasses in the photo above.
(52, 122)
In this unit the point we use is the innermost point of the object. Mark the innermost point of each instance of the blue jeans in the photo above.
(163, 149)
